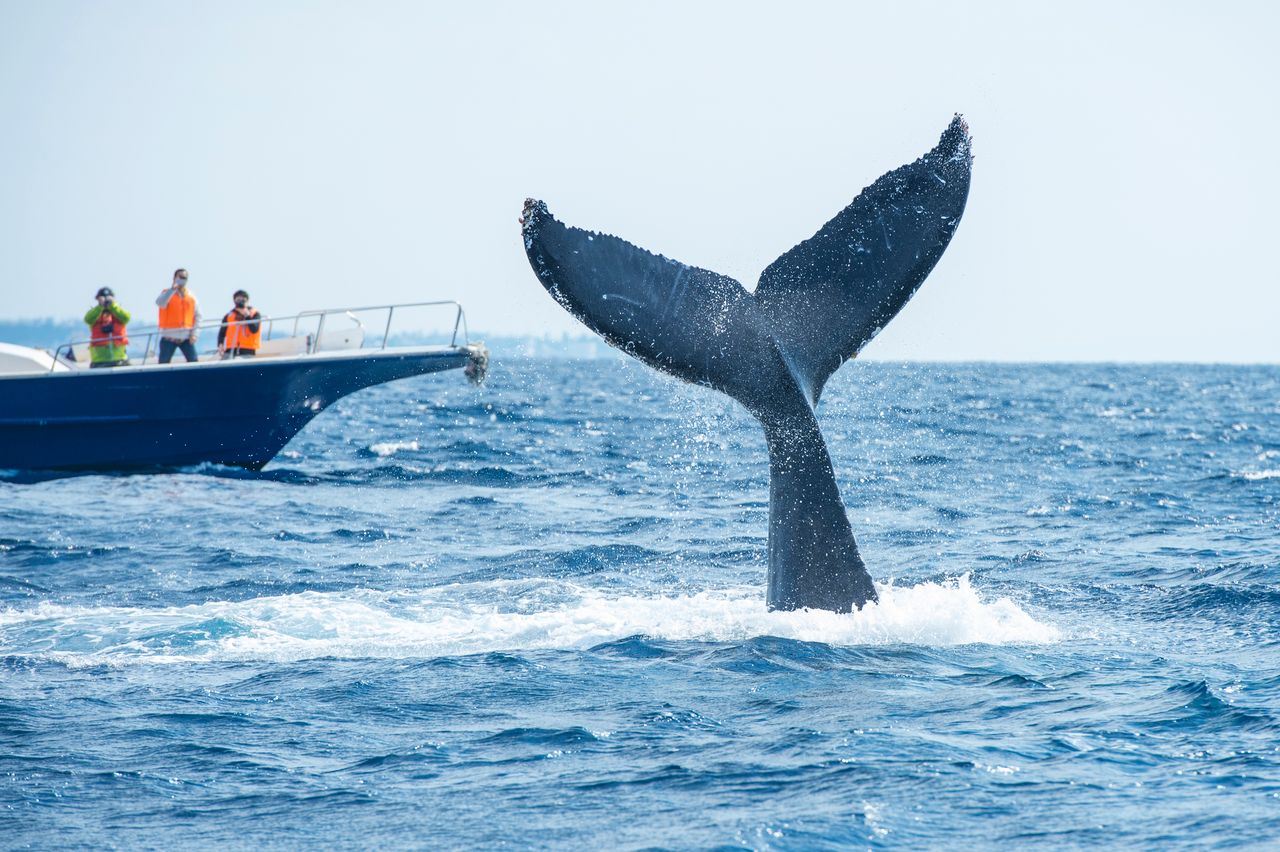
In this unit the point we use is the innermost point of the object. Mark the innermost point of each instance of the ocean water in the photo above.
(531, 615)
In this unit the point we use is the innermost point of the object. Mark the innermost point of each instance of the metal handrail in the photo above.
(390, 309)
(150, 333)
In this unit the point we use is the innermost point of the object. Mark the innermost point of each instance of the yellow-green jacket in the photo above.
(114, 316)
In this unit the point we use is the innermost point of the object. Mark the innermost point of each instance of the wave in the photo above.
(502, 615)
(390, 448)
(1195, 705)
(1257, 475)
(390, 472)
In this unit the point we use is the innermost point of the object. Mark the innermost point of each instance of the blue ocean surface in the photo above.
(532, 615)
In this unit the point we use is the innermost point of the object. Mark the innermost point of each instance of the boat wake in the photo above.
(476, 618)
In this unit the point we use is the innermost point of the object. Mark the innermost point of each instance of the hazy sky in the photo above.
(1125, 201)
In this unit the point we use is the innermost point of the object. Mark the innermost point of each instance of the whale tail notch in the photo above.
(773, 350)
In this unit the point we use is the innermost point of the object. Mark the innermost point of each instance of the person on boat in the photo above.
(179, 317)
(108, 337)
(241, 330)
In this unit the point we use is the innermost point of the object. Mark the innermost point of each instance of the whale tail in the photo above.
(773, 350)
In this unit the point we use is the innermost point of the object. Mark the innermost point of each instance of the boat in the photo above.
(56, 413)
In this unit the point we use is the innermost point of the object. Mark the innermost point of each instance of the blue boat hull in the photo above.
(237, 412)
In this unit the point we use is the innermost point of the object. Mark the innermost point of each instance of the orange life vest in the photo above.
(239, 336)
(108, 330)
(179, 312)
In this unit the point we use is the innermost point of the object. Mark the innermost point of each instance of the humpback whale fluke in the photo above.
(773, 350)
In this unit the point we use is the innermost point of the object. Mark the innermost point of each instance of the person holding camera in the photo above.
(241, 330)
(179, 319)
(108, 338)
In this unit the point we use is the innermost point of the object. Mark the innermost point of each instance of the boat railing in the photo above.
(306, 333)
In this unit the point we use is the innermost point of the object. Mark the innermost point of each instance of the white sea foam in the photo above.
(1256, 475)
(390, 448)
(495, 616)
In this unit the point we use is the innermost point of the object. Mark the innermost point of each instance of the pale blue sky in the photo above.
(1124, 202)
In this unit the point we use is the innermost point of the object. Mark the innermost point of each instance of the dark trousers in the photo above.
(167, 347)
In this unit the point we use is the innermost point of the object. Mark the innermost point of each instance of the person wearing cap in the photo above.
(241, 330)
(108, 339)
(179, 318)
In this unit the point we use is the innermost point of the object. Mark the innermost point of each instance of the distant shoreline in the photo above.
(49, 333)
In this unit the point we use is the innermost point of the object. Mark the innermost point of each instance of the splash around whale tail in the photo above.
(774, 350)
